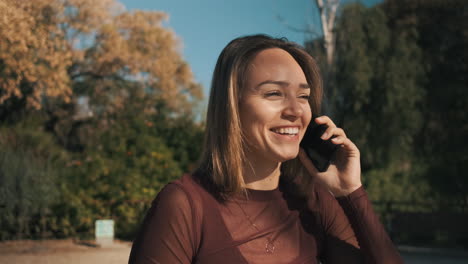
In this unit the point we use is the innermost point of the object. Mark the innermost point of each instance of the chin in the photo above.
(288, 156)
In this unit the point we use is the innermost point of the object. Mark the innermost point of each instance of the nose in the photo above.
(293, 109)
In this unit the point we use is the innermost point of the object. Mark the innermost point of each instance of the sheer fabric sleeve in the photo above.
(371, 235)
(353, 232)
(168, 233)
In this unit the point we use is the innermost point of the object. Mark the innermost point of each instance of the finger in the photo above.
(338, 140)
(324, 120)
(339, 132)
(350, 147)
(333, 131)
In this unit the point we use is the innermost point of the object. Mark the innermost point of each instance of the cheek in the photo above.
(255, 119)
(306, 118)
(257, 109)
(255, 123)
(307, 110)
(308, 114)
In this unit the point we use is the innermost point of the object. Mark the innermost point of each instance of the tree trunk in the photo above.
(328, 11)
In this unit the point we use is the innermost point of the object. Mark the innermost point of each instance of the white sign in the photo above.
(104, 229)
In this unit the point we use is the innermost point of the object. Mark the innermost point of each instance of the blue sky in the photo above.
(206, 26)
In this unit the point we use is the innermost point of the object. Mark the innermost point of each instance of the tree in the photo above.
(442, 38)
(378, 92)
(400, 89)
(113, 90)
(34, 56)
(327, 12)
(78, 60)
(70, 48)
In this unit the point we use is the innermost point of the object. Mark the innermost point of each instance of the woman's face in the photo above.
(274, 107)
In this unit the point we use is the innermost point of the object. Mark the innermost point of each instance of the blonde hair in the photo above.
(220, 166)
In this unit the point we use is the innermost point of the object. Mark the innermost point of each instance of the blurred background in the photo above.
(103, 102)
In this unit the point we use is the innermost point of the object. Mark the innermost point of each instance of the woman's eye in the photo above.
(305, 96)
(275, 93)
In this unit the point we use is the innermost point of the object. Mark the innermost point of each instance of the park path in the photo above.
(62, 252)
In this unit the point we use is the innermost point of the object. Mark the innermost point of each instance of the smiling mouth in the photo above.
(290, 131)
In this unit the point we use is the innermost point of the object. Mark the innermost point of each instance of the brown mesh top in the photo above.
(186, 224)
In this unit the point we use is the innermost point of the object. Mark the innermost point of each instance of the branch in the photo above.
(309, 30)
(88, 73)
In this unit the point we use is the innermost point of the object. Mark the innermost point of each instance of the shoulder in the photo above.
(187, 181)
(179, 203)
(182, 193)
(187, 184)
(172, 202)
(172, 225)
(188, 191)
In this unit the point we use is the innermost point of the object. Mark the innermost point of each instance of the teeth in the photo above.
(288, 130)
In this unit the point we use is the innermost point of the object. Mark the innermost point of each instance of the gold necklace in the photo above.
(270, 245)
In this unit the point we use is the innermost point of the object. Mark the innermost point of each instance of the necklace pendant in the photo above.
(270, 247)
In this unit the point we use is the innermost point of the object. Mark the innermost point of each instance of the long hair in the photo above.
(220, 166)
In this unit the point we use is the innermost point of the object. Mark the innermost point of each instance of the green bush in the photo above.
(48, 191)
(29, 168)
(117, 179)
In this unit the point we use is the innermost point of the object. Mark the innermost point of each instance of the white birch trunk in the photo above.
(327, 10)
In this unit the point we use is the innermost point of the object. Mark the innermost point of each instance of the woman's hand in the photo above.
(344, 174)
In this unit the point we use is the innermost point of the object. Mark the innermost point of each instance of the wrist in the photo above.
(341, 192)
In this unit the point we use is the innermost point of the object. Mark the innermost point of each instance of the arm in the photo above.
(350, 218)
(353, 232)
(370, 233)
(167, 234)
(338, 240)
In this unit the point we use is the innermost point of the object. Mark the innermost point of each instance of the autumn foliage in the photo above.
(96, 115)
(47, 46)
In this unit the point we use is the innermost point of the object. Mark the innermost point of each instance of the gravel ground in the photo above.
(62, 251)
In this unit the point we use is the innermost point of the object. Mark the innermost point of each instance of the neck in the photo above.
(260, 174)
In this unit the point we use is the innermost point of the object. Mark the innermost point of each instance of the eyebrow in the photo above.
(283, 83)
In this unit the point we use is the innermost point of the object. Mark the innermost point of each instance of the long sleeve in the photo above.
(373, 240)
(352, 231)
(168, 234)
(338, 240)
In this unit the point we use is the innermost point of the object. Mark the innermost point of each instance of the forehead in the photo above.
(271, 55)
(276, 65)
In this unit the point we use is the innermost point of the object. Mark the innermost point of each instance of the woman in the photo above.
(256, 197)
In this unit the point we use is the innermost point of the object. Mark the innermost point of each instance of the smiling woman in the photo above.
(256, 197)
(274, 113)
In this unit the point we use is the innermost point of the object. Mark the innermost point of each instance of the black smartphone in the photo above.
(321, 152)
